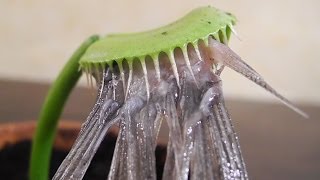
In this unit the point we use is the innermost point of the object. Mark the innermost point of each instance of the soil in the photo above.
(14, 160)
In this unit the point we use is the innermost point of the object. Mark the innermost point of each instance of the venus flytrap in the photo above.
(170, 73)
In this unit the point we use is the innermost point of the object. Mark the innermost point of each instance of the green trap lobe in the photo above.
(198, 24)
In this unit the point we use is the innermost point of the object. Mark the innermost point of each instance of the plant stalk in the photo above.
(51, 111)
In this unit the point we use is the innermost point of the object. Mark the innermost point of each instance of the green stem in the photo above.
(51, 111)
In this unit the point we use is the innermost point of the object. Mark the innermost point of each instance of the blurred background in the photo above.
(280, 39)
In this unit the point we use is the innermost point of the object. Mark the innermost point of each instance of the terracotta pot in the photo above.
(12, 133)
(15, 145)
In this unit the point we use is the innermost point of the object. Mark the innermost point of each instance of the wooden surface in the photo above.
(276, 143)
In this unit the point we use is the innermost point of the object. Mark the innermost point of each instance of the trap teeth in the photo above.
(130, 77)
(86, 72)
(223, 36)
(123, 79)
(206, 40)
(174, 66)
(90, 76)
(234, 32)
(216, 36)
(96, 70)
(145, 74)
(196, 49)
(155, 59)
(187, 60)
